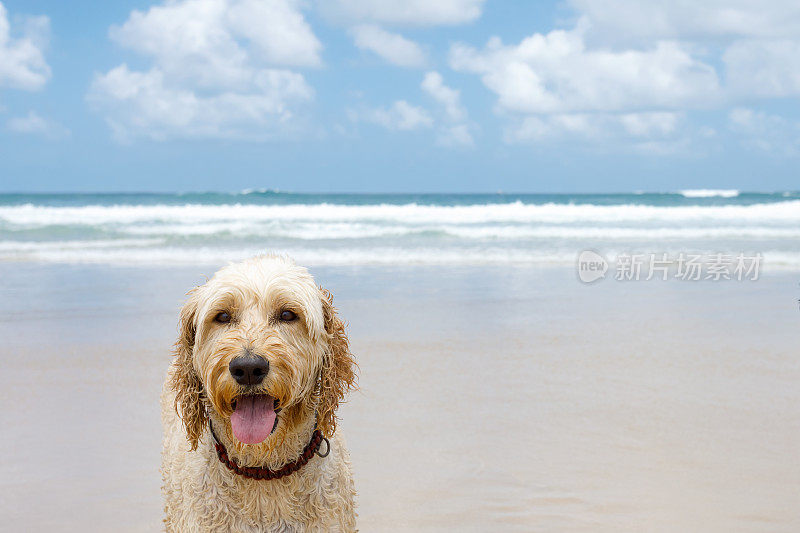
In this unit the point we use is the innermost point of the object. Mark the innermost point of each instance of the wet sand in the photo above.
(499, 399)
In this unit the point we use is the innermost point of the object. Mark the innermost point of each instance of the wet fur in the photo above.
(311, 370)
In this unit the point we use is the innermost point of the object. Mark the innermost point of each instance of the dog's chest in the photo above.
(295, 503)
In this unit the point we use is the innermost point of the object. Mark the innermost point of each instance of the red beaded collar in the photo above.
(256, 472)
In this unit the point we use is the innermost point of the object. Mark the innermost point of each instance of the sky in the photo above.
(386, 96)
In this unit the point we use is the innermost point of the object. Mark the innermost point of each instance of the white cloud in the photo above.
(399, 116)
(764, 67)
(760, 40)
(623, 20)
(629, 70)
(34, 124)
(649, 124)
(22, 63)
(392, 47)
(556, 73)
(218, 70)
(277, 29)
(538, 128)
(406, 12)
(450, 126)
(765, 132)
(658, 133)
(145, 104)
(433, 84)
(457, 135)
(210, 39)
(457, 132)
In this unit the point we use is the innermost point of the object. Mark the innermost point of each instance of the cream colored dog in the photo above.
(260, 367)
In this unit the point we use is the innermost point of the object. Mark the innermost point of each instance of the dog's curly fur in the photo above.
(310, 371)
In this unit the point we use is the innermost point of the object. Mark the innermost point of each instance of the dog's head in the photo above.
(261, 345)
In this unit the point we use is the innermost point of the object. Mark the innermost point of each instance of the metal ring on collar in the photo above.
(327, 451)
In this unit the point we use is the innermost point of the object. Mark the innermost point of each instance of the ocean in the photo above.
(395, 229)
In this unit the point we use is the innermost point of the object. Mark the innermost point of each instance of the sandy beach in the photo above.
(492, 398)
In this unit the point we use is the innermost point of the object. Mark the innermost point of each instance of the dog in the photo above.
(249, 406)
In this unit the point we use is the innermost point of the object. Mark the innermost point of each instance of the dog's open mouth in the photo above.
(254, 417)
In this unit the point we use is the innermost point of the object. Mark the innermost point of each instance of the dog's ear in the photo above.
(185, 381)
(338, 368)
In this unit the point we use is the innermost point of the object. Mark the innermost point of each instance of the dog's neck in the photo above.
(283, 446)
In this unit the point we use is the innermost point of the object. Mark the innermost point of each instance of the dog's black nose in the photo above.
(249, 369)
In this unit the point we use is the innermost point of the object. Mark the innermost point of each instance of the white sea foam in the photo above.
(620, 233)
(22, 247)
(340, 231)
(310, 256)
(94, 215)
(708, 193)
(510, 233)
(392, 256)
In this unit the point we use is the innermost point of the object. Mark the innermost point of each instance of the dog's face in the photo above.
(262, 346)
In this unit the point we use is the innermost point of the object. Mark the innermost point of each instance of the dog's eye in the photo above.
(222, 317)
(287, 316)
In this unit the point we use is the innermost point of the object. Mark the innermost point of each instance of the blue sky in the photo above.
(379, 96)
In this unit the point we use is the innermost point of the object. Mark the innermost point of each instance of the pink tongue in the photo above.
(253, 418)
